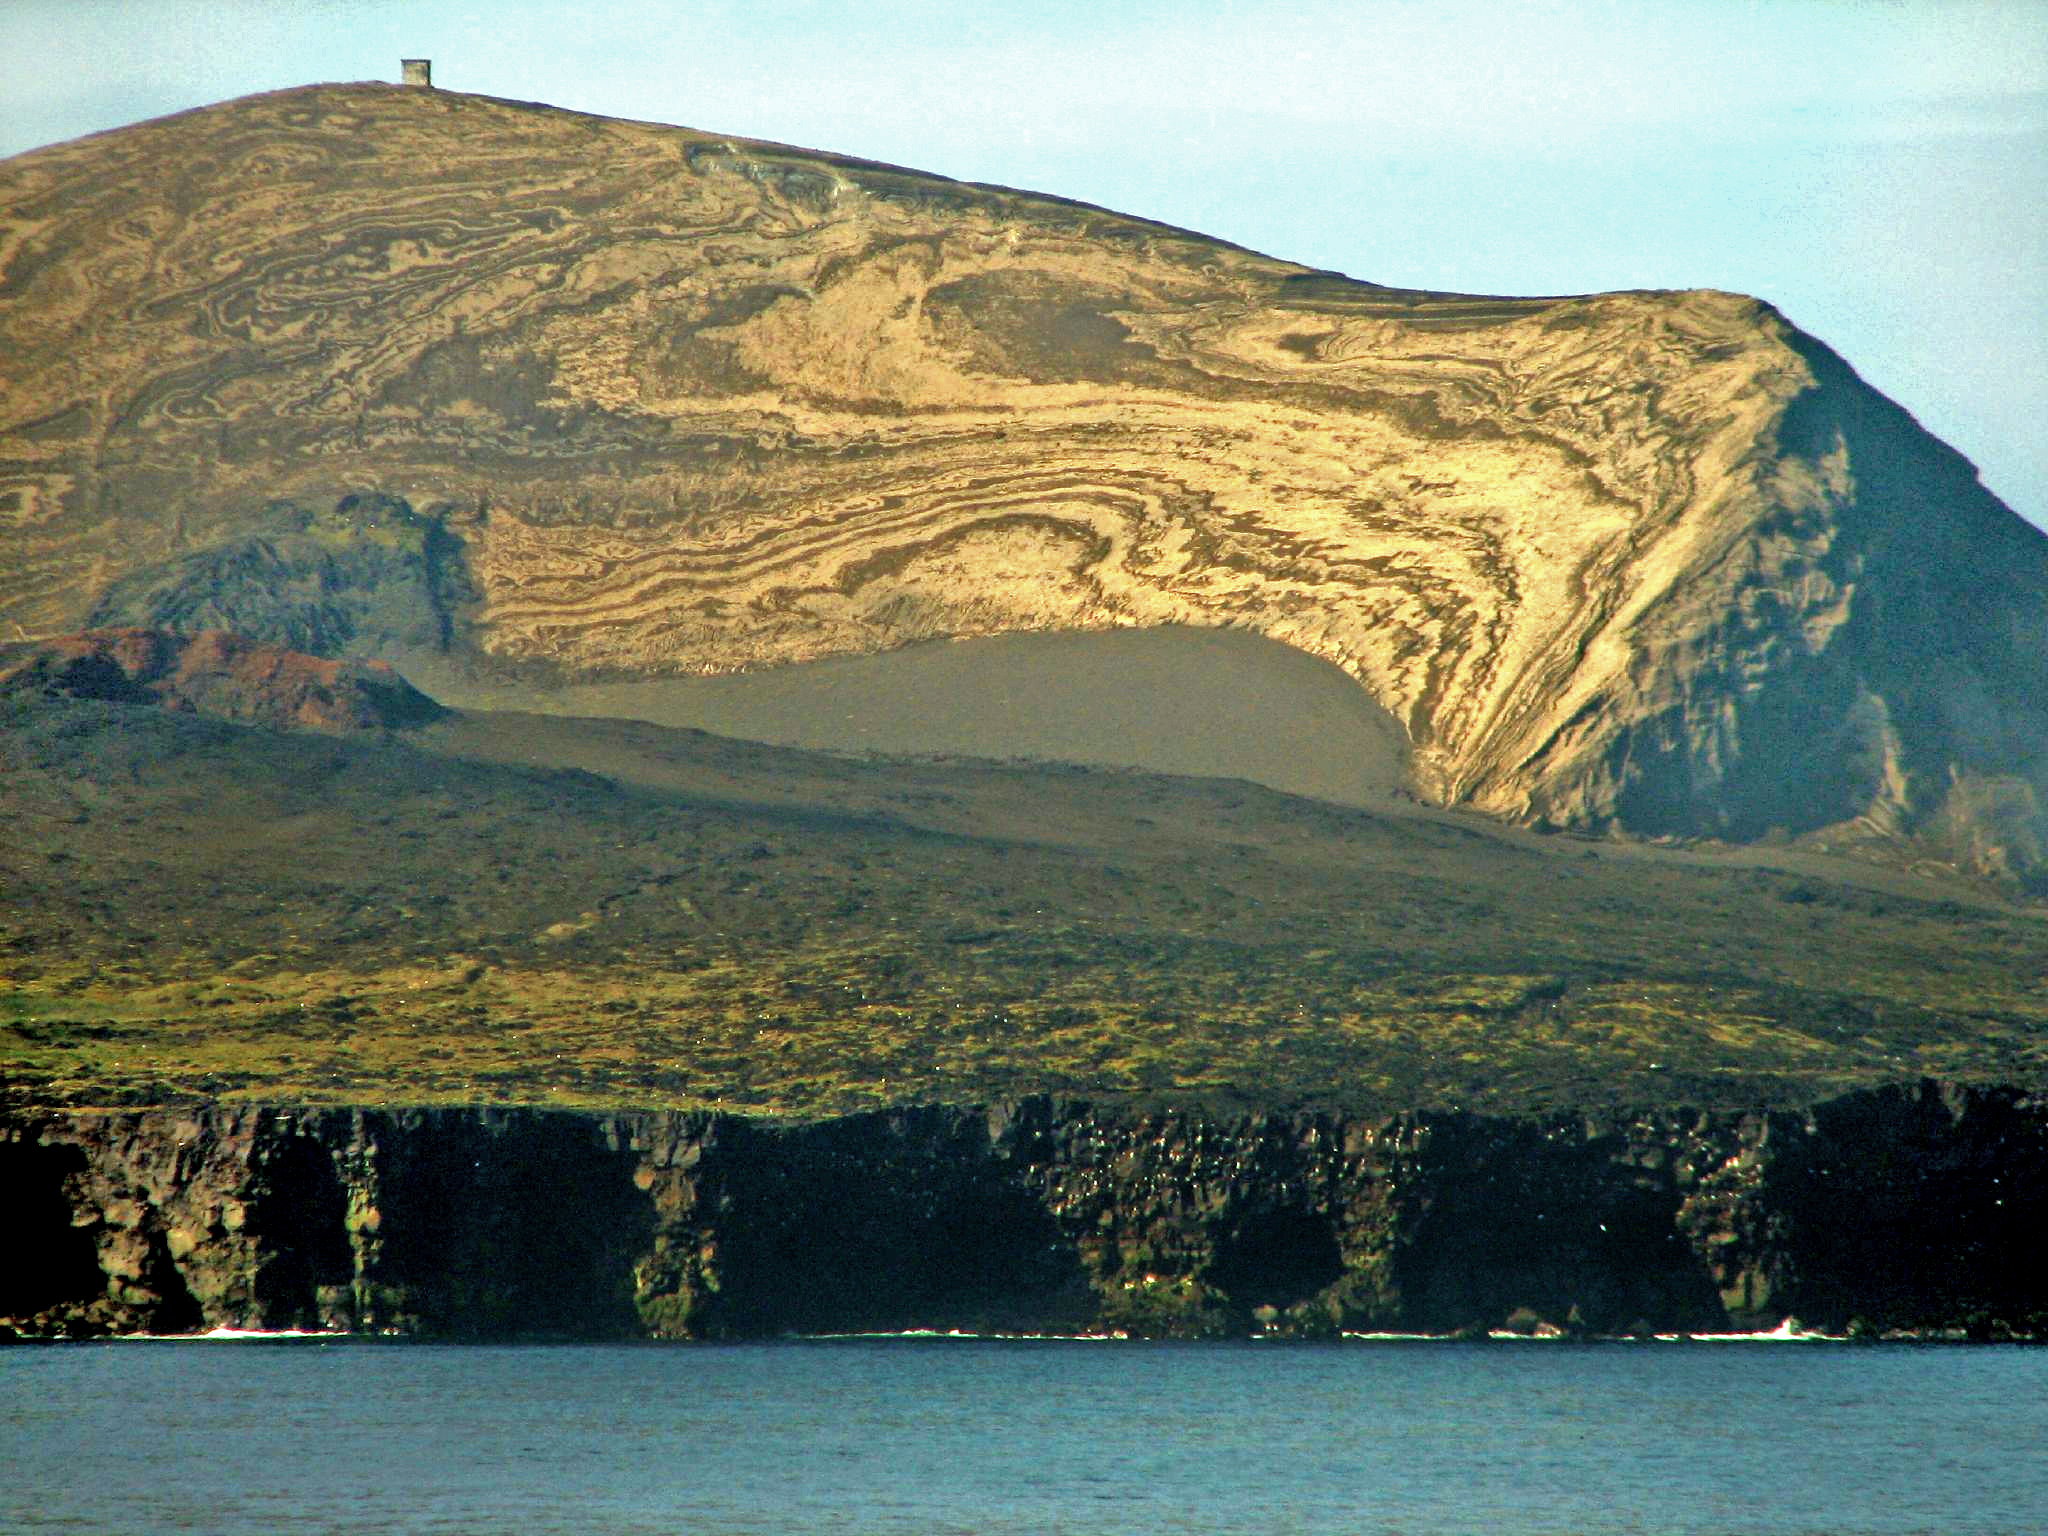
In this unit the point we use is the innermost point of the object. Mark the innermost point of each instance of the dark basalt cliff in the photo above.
(1904, 1209)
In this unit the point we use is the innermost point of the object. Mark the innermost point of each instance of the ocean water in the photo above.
(987, 1436)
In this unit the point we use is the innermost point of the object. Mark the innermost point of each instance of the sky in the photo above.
(1878, 169)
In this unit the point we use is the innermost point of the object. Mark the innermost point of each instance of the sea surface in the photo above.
(991, 1436)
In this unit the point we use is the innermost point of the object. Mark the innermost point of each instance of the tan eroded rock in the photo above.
(672, 403)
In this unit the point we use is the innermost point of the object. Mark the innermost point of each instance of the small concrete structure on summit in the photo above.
(417, 72)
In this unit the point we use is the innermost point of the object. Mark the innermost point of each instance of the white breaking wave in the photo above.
(230, 1333)
(968, 1333)
(1788, 1331)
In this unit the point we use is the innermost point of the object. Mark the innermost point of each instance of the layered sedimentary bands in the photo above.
(1909, 1209)
(366, 370)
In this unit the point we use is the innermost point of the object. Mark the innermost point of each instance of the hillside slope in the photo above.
(483, 908)
(366, 370)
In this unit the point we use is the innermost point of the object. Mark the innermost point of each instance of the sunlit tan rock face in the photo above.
(633, 401)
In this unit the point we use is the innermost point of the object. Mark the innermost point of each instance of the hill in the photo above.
(532, 400)
(326, 1004)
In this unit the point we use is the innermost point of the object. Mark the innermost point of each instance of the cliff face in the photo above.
(670, 403)
(1902, 1209)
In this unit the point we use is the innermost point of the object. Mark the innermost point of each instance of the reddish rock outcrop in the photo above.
(219, 674)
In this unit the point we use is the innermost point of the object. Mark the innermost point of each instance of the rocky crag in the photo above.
(218, 674)
(356, 369)
(1913, 1209)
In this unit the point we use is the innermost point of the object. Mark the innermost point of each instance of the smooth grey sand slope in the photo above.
(1178, 699)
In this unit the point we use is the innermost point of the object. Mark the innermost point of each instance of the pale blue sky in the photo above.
(1878, 169)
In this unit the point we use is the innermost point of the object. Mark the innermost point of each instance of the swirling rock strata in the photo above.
(677, 403)
(1901, 1209)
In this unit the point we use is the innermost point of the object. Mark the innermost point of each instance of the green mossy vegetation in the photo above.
(1167, 1307)
(193, 909)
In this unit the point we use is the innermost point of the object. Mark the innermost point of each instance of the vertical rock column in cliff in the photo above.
(1904, 1209)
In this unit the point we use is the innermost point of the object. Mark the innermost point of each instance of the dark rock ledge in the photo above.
(1917, 1209)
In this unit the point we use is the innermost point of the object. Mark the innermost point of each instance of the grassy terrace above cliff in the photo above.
(512, 909)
